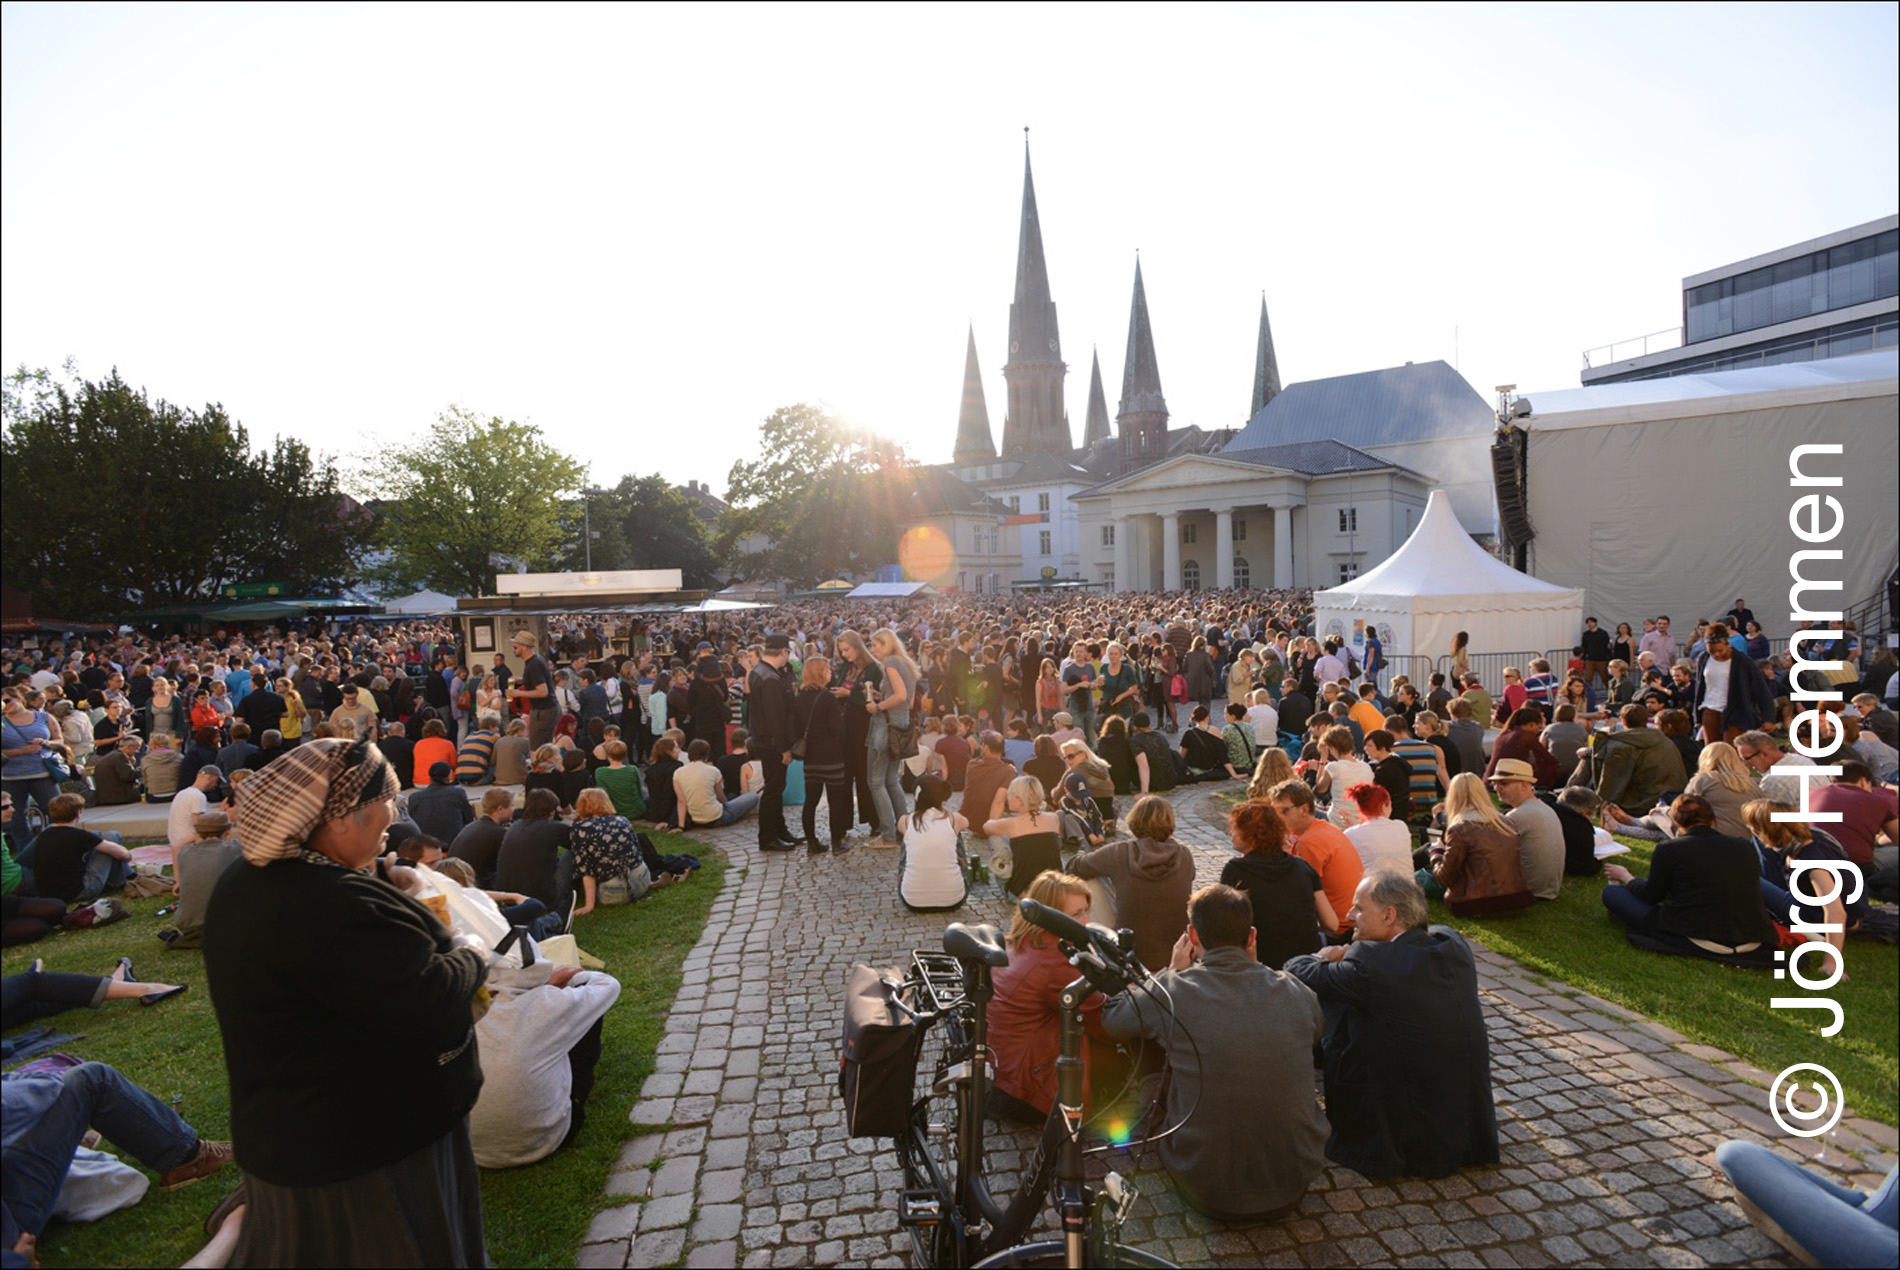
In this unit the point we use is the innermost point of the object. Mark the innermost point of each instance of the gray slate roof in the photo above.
(1427, 401)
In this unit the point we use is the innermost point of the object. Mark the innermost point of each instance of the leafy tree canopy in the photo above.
(825, 495)
(472, 496)
(115, 501)
(643, 522)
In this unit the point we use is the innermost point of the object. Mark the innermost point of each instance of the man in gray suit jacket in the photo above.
(1255, 1138)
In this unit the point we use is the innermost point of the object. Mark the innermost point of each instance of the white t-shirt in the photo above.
(1715, 677)
(181, 822)
(525, 1108)
(1266, 723)
(1382, 844)
(932, 877)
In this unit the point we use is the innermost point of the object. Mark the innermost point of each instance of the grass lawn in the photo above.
(535, 1216)
(1574, 940)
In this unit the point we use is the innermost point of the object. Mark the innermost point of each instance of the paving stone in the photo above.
(607, 1256)
(665, 1213)
(616, 1223)
(717, 1222)
(661, 1248)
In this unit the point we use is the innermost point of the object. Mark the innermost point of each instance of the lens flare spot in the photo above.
(926, 554)
(1119, 1132)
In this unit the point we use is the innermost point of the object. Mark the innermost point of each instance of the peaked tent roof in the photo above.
(890, 590)
(421, 602)
(1441, 560)
(1425, 401)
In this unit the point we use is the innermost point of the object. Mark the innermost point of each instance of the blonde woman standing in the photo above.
(1479, 870)
(889, 707)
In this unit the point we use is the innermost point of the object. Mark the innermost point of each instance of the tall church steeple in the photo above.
(1036, 421)
(1095, 427)
(1142, 419)
(974, 442)
(1266, 367)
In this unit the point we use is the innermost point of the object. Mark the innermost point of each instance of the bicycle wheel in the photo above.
(928, 1150)
(1053, 1254)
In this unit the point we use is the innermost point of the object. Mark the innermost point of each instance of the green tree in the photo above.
(471, 495)
(826, 496)
(643, 522)
(116, 501)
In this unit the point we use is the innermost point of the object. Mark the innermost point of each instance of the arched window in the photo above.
(1191, 575)
(1243, 576)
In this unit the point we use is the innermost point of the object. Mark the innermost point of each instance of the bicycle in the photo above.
(953, 1219)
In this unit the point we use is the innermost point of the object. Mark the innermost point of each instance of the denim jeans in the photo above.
(47, 1115)
(737, 809)
(104, 875)
(41, 790)
(1835, 1226)
(886, 773)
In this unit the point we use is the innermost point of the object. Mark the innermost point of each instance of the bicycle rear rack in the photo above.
(942, 977)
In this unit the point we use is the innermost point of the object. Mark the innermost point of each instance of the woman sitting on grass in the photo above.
(1703, 892)
(604, 850)
(1480, 868)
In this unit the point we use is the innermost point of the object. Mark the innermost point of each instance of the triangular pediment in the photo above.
(1190, 471)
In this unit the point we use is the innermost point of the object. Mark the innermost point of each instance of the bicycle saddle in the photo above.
(982, 943)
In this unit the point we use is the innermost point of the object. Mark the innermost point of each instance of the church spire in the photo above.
(974, 442)
(1096, 427)
(1142, 418)
(1266, 367)
(1036, 421)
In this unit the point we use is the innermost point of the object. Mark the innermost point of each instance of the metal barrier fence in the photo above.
(1415, 668)
(1489, 667)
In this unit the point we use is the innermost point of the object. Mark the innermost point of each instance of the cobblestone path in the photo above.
(1609, 1121)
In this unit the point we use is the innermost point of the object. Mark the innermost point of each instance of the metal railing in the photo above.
(1636, 346)
(1489, 667)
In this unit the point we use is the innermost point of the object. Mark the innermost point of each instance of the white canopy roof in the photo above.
(421, 603)
(1440, 582)
(890, 590)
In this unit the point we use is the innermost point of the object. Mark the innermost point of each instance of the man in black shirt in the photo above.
(537, 689)
(1295, 707)
(1596, 652)
(441, 810)
(70, 863)
(769, 696)
(480, 843)
(534, 859)
(262, 708)
(401, 753)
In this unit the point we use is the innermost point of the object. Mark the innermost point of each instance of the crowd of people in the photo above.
(331, 780)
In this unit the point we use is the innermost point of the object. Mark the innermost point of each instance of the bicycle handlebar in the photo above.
(1099, 953)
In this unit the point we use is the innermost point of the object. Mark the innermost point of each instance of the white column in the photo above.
(1124, 552)
(1283, 547)
(1224, 548)
(1171, 551)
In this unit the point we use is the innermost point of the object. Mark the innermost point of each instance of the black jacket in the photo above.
(769, 701)
(441, 811)
(345, 1014)
(1408, 1066)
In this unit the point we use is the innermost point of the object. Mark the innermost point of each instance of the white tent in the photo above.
(1440, 582)
(890, 590)
(422, 603)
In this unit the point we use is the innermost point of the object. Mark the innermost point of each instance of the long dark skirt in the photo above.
(425, 1210)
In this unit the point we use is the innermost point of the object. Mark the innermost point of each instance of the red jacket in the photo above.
(1521, 744)
(1026, 1022)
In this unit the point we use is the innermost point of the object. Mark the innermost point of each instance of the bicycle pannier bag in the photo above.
(878, 1071)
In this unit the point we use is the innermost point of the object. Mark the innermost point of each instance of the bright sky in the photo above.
(645, 228)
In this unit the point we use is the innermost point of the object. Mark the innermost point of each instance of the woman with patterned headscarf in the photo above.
(345, 1008)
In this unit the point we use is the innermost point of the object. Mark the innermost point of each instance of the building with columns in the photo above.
(1309, 514)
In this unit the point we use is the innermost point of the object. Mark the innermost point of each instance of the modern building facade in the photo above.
(1832, 296)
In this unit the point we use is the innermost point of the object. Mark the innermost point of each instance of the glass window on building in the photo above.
(1243, 574)
(1349, 520)
(1348, 570)
(1187, 533)
(1042, 541)
(1191, 575)
(1820, 282)
(1240, 529)
(1042, 502)
(1108, 535)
